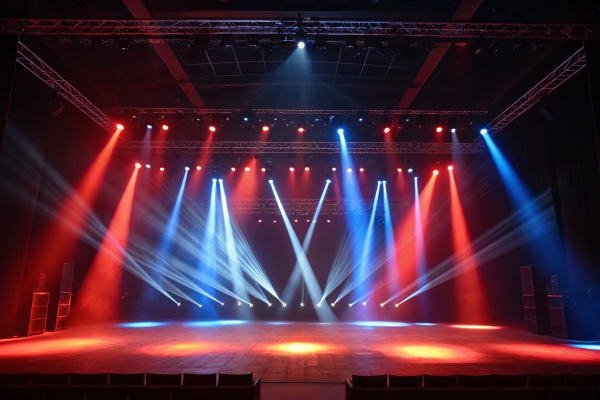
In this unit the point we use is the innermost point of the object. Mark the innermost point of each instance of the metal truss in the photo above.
(263, 111)
(251, 147)
(166, 28)
(39, 68)
(304, 209)
(562, 73)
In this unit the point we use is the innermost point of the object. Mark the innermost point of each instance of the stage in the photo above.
(297, 352)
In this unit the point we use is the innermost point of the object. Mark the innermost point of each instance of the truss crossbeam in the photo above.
(251, 147)
(547, 85)
(39, 68)
(264, 111)
(450, 30)
(304, 209)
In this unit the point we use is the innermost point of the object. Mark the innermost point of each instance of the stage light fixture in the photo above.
(247, 169)
(233, 168)
(453, 130)
(439, 129)
(138, 165)
(318, 304)
(334, 169)
(399, 169)
(187, 168)
(269, 304)
(483, 131)
(251, 305)
(450, 167)
(274, 221)
(301, 304)
(397, 305)
(147, 165)
(263, 169)
(120, 127)
(435, 172)
(387, 129)
(283, 304)
(332, 304)
(410, 170)
(198, 168)
(165, 127)
(239, 303)
(361, 169)
(220, 180)
(292, 169)
(381, 305)
(340, 131)
(148, 126)
(349, 304)
(260, 220)
(270, 180)
(212, 128)
(178, 304)
(301, 38)
(265, 128)
(328, 180)
(307, 168)
(364, 303)
(349, 170)
(295, 220)
(328, 221)
(214, 180)
(162, 168)
(301, 130)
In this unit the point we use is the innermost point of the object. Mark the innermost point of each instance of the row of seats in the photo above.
(470, 387)
(128, 379)
(118, 392)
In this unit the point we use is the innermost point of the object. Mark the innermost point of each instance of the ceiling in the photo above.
(353, 73)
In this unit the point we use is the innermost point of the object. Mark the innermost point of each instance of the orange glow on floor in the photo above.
(50, 346)
(472, 304)
(483, 327)
(430, 353)
(177, 349)
(299, 347)
(99, 294)
(553, 352)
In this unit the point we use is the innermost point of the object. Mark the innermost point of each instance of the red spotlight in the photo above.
(439, 129)
(260, 220)
(307, 168)
(399, 169)
(212, 128)
(301, 130)
(233, 168)
(361, 169)
(450, 168)
(263, 169)
(265, 128)
(198, 168)
(165, 127)
(138, 165)
(162, 168)
(334, 169)
(247, 169)
(435, 172)
(120, 127)
(292, 169)
(386, 129)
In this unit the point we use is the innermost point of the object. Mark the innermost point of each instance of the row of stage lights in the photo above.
(364, 303)
(292, 169)
(267, 128)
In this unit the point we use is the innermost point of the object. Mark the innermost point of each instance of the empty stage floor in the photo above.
(295, 352)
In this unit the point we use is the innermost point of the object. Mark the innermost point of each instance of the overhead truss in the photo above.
(264, 111)
(165, 28)
(39, 68)
(561, 74)
(304, 209)
(252, 147)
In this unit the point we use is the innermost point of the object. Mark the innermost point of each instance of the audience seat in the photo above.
(576, 380)
(163, 379)
(509, 380)
(199, 379)
(476, 381)
(15, 379)
(440, 381)
(546, 380)
(192, 392)
(63, 392)
(126, 379)
(50, 379)
(112, 392)
(406, 381)
(89, 379)
(149, 392)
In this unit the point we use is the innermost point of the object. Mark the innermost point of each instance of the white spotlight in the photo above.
(269, 304)
(319, 305)
(301, 304)
(364, 303)
(148, 126)
(349, 304)
(397, 305)
(284, 304)
(341, 131)
(483, 131)
(200, 305)
(301, 45)
(270, 180)
(332, 304)
(178, 304)
(187, 168)
(239, 303)
(381, 304)
(220, 180)
(251, 305)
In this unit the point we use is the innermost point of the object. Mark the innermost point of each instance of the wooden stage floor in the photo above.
(297, 351)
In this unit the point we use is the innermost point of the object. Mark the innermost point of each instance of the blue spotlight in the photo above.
(270, 180)
(187, 168)
(340, 131)
(214, 180)
(483, 131)
(328, 181)
(220, 180)
(453, 130)
(245, 119)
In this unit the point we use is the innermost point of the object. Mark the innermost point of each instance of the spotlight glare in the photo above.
(410, 170)
(301, 130)
(212, 128)
(270, 180)
(483, 131)
(269, 304)
(138, 165)
(165, 127)
(301, 45)
(292, 169)
(332, 304)
(386, 129)
(283, 304)
(334, 169)
(453, 130)
(120, 127)
(301, 304)
(295, 220)
(361, 169)
(397, 305)
(364, 303)
(233, 168)
(382, 304)
(251, 305)
(220, 180)
(399, 169)
(187, 168)
(263, 169)
(439, 129)
(319, 305)
(307, 168)
(162, 168)
(274, 221)
(265, 128)
(178, 304)
(340, 131)
(260, 220)
(199, 305)
(214, 180)
(198, 168)
(328, 180)
(147, 165)
(349, 304)
(435, 172)
(349, 170)
(450, 168)
(148, 126)
(328, 221)
(247, 169)
(239, 303)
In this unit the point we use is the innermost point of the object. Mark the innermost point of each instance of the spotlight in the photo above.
(340, 131)
(138, 165)
(239, 303)
(165, 127)
(435, 172)
(198, 168)
(349, 170)
(301, 304)
(247, 169)
(361, 169)
(364, 303)
(220, 180)
(265, 128)
(439, 129)
(381, 305)
(162, 168)
(349, 304)
(283, 304)
(148, 126)
(301, 38)
(483, 131)
(295, 220)
(328, 181)
(334, 169)
(245, 119)
(200, 305)
(212, 128)
(399, 169)
(214, 180)
(120, 127)
(332, 304)
(301, 130)
(306, 168)
(233, 168)
(147, 165)
(450, 167)
(453, 130)
(386, 129)
(187, 168)
(397, 305)
(270, 180)
(319, 305)
(410, 170)
(251, 305)
(263, 169)
(292, 169)
(274, 221)
(260, 220)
